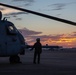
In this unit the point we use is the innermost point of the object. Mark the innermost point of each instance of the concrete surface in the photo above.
(52, 63)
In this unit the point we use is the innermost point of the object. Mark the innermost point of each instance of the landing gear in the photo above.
(14, 59)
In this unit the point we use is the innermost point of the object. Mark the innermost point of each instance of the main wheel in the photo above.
(14, 59)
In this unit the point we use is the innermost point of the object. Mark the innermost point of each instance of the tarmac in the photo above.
(52, 63)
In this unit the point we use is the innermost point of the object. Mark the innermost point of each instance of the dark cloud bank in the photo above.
(31, 35)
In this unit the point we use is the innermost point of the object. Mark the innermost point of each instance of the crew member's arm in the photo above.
(32, 47)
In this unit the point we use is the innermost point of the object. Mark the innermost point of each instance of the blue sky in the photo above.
(41, 27)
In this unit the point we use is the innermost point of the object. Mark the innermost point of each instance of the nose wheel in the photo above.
(14, 59)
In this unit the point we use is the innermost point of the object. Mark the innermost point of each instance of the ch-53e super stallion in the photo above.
(12, 42)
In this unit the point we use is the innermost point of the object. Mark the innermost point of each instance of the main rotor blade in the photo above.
(40, 14)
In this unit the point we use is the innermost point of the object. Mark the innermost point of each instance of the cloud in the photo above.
(1, 8)
(15, 13)
(11, 12)
(60, 6)
(27, 32)
(29, 35)
(8, 11)
(26, 2)
(73, 34)
(65, 40)
(18, 18)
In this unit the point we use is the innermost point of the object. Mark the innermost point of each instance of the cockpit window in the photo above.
(11, 30)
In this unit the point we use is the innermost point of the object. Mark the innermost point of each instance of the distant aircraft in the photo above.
(45, 46)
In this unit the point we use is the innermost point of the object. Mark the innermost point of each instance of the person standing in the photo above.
(37, 51)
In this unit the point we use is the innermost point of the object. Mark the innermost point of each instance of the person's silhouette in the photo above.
(38, 50)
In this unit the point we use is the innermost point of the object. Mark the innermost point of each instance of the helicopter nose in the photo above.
(22, 51)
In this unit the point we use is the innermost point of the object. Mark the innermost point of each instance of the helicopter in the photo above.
(12, 42)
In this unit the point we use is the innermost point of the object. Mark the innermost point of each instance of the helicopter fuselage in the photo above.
(11, 40)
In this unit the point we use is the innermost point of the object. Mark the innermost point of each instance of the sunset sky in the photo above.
(32, 26)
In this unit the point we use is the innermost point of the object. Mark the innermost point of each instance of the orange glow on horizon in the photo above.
(65, 42)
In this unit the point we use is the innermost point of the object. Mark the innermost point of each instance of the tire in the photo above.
(14, 59)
